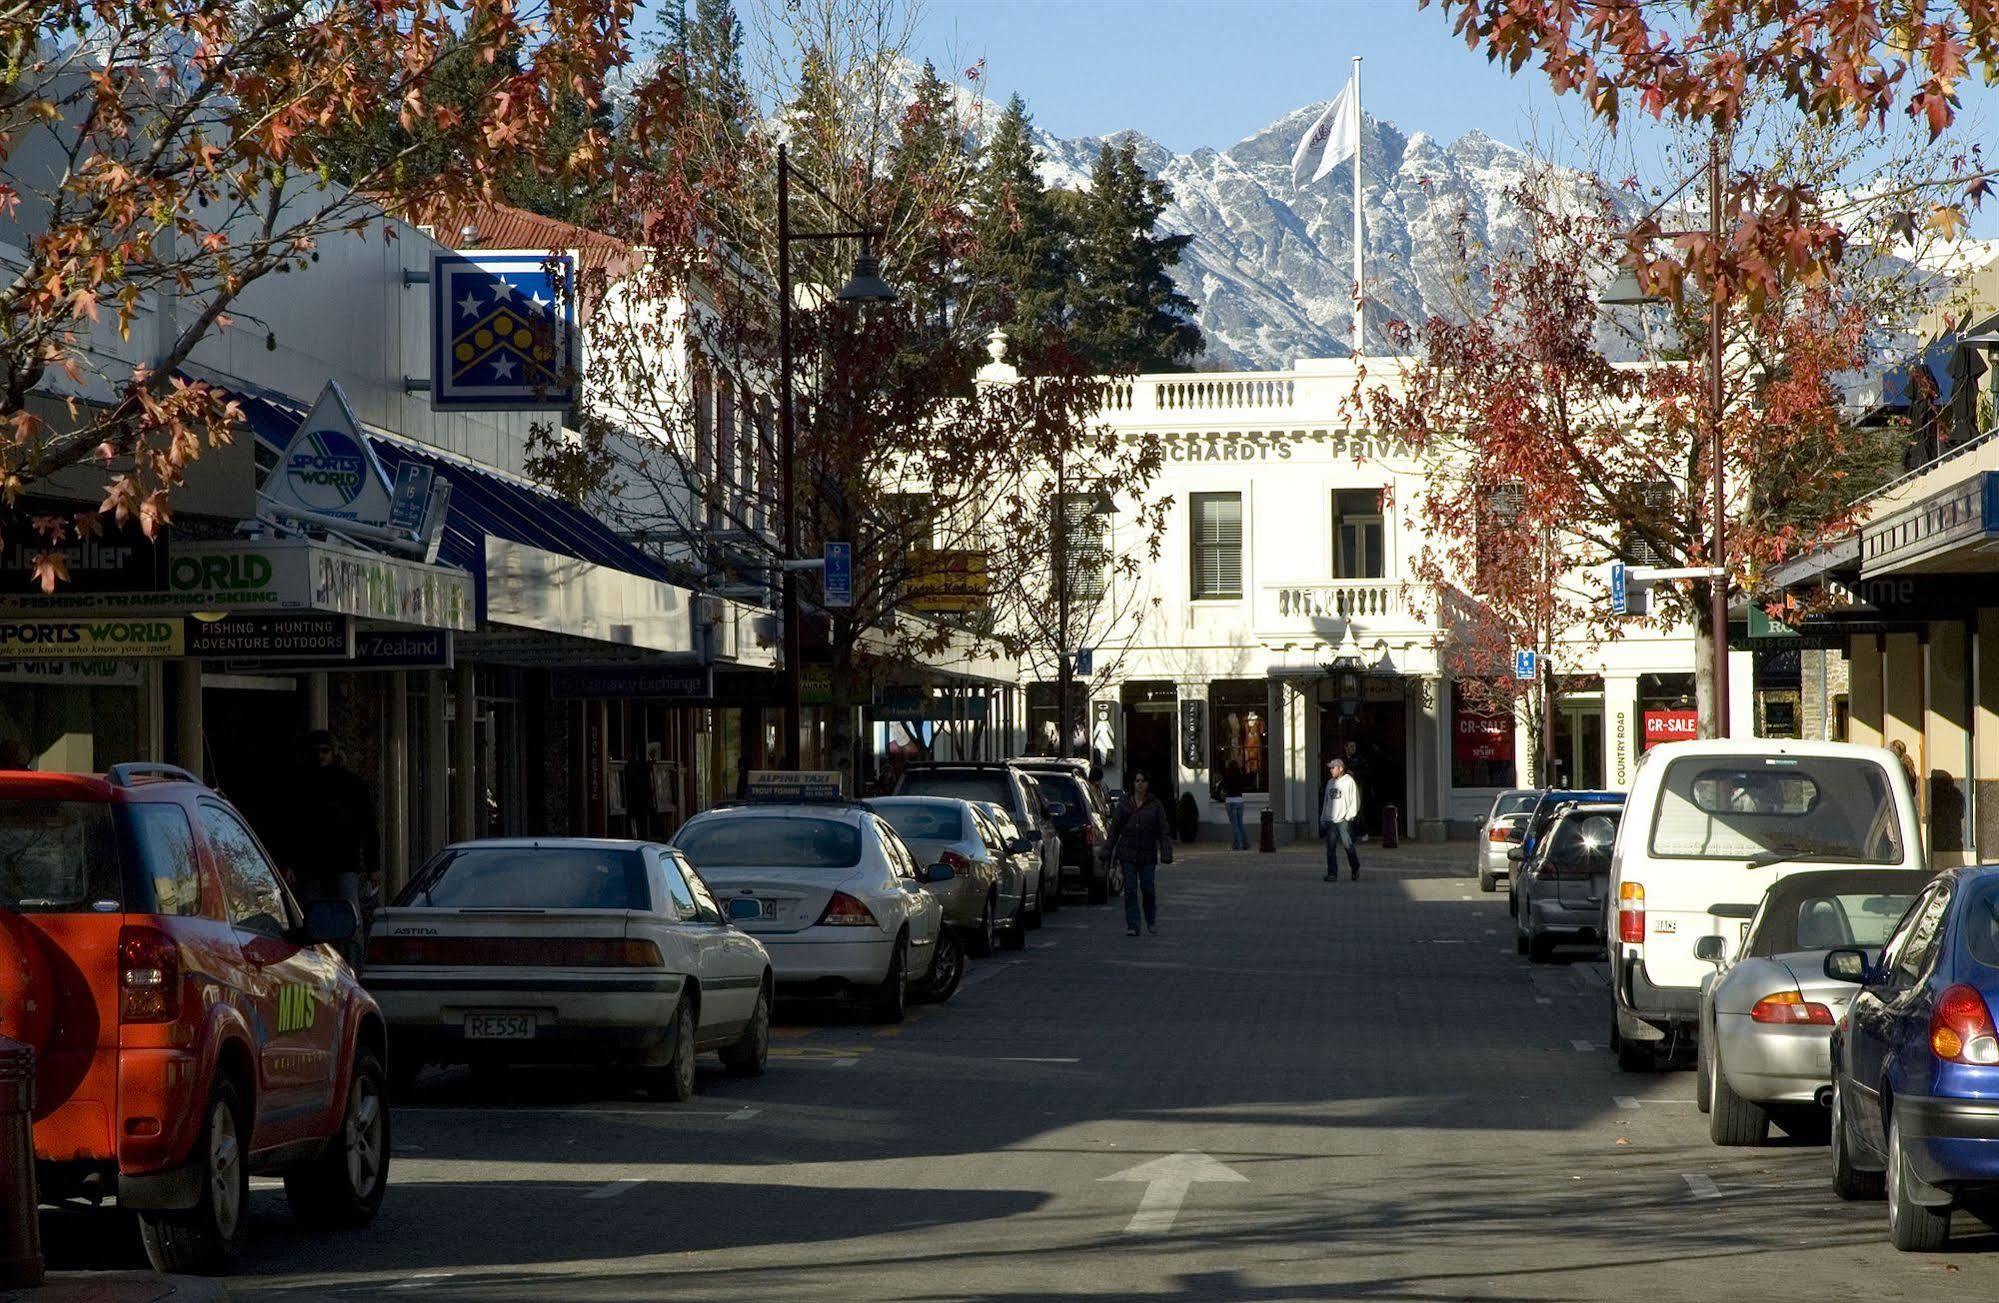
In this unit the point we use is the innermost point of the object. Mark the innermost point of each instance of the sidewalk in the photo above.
(117, 1287)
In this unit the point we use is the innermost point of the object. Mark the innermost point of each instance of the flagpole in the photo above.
(1359, 284)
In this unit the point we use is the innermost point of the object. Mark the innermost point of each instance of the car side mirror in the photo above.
(938, 873)
(330, 922)
(1848, 964)
(1711, 949)
(1515, 854)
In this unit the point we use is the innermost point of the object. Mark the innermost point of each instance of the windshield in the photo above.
(1823, 915)
(532, 877)
(739, 840)
(1069, 794)
(1771, 809)
(924, 822)
(966, 785)
(57, 856)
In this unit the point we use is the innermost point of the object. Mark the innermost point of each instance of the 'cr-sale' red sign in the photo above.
(1671, 726)
(1484, 737)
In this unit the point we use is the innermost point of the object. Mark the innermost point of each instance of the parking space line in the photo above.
(1701, 1185)
(1624, 1101)
(423, 1278)
(612, 1189)
(1542, 999)
(744, 1114)
(1018, 1058)
(1582, 1046)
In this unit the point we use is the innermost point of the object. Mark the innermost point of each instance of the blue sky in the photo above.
(1209, 72)
(1190, 73)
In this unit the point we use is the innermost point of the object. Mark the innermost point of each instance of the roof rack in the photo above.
(130, 775)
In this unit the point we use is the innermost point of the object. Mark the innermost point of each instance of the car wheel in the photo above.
(947, 968)
(1703, 1073)
(1052, 902)
(1031, 918)
(1733, 1121)
(1540, 948)
(1486, 882)
(986, 939)
(208, 1238)
(1912, 1227)
(1849, 1182)
(1519, 940)
(1014, 935)
(1632, 1056)
(344, 1186)
(751, 1051)
(673, 1080)
(891, 1000)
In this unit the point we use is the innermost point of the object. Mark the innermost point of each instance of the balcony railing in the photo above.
(1327, 607)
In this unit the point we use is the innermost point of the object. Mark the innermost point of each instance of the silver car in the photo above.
(985, 885)
(1768, 1011)
(1018, 850)
(1505, 825)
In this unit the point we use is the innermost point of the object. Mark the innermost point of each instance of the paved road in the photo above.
(1414, 1113)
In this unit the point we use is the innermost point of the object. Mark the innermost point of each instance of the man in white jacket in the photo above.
(1338, 809)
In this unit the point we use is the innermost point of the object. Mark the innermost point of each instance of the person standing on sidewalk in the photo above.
(1141, 840)
(338, 851)
(1338, 808)
(1232, 785)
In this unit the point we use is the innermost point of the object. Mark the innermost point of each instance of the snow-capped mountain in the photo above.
(1271, 263)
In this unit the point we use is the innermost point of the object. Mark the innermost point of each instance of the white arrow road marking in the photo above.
(1166, 1182)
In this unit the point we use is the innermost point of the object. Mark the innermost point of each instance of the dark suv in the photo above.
(1082, 818)
(192, 1025)
(1014, 792)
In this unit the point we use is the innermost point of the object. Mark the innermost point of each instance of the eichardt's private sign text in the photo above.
(1275, 445)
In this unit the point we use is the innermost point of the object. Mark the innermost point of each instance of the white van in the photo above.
(1709, 826)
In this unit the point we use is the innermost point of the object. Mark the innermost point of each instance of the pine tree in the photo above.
(1020, 262)
(1128, 313)
(709, 45)
(928, 225)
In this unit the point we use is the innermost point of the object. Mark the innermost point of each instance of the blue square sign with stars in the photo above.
(504, 327)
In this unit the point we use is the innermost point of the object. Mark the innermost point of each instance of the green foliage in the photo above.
(1129, 315)
(1022, 256)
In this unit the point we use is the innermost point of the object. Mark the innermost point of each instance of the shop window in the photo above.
(1481, 736)
(1239, 731)
(1358, 534)
(1217, 544)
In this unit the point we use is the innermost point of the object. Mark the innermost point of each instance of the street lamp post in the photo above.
(1623, 291)
(1065, 666)
(865, 286)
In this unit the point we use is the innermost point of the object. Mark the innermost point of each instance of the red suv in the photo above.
(191, 1024)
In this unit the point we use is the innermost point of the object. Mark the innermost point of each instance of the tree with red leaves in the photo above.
(157, 159)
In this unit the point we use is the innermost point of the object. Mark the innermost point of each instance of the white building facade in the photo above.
(1283, 624)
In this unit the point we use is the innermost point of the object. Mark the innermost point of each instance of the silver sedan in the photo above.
(1505, 825)
(985, 885)
(1768, 1011)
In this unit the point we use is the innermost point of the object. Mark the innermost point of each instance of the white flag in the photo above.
(1336, 134)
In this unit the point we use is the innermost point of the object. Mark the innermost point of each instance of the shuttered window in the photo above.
(1217, 523)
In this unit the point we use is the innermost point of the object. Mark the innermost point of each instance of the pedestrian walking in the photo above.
(1232, 785)
(1337, 809)
(336, 843)
(1141, 841)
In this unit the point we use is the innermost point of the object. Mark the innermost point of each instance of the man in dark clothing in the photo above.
(334, 830)
(1142, 834)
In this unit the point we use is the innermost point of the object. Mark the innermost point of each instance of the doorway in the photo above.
(1150, 734)
(1379, 733)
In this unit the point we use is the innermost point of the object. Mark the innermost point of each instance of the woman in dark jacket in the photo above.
(1142, 838)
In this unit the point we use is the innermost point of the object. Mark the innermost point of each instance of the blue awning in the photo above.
(483, 502)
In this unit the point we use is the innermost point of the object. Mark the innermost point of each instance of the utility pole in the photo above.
(1718, 587)
(1063, 668)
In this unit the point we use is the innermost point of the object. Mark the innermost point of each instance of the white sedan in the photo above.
(568, 950)
(831, 891)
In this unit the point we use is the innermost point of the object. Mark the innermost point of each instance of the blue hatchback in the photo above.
(1915, 1061)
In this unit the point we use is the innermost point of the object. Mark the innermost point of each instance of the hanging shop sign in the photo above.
(115, 557)
(308, 635)
(902, 701)
(681, 682)
(374, 649)
(43, 639)
(328, 472)
(1194, 733)
(794, 784)
(503, 328)
(946, 582)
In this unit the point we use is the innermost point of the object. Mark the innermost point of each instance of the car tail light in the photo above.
(844, 911)
(1090, 837)
(1792, 1009)
(1631, 913)
(1961, 1028)
(955, 862)
(1497, 833)
(504, 952)
(148, 975)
